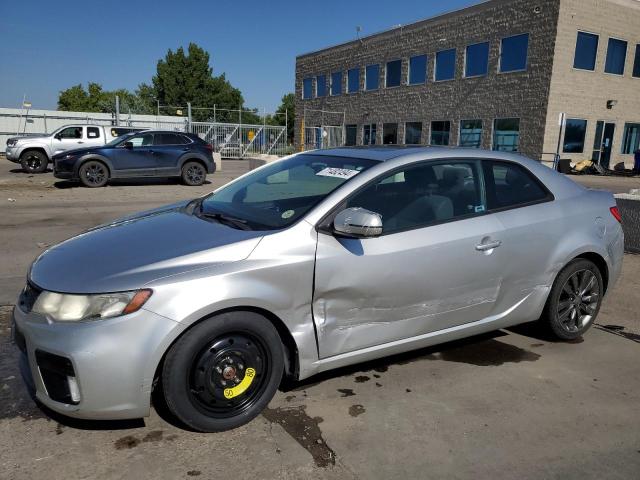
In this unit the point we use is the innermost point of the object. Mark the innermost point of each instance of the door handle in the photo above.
(80, 142)
(483, 247)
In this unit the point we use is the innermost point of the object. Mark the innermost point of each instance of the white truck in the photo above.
(34, 152)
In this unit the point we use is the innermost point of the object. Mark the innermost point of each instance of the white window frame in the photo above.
(358, 88)
(493, 132)
(460, 130)
(464, 67)
(431, 129)
(386, 73)
(575, 46)
(365, 77)
(586, 130)
(404, 137)
(426, 72)
(435, 64)
(316, 84)
(526, 61)
(624, 66)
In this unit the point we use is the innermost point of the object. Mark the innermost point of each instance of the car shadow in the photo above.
(21, 171)
(67, 184)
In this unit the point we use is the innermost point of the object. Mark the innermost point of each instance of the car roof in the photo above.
(384, 153)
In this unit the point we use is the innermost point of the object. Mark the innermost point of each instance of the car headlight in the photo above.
(63, 307)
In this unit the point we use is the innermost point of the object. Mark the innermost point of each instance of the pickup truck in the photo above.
(35, 152)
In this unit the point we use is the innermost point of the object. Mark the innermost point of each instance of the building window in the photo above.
(476, 60)
(336, 83)
(471, 133)
(307, 88)
(372, 77)
(636, 63)
(586, 51)
(506, 134)
(393, 73)
(513, 53)
(574, 132)
(321, 86)
(412, 133)
(417, 70)
(369, 134)
(350, 134)
(390, 134)
(616, 55)
(440, 132)
(631, 138)
(445, 65)
(353, 80)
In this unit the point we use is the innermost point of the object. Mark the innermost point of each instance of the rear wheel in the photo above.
(223, 372)
(193, 174)
(94, 174)
(33, 161)
(575, 299)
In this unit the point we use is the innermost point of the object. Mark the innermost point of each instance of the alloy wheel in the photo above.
(195, 174)
(95, 174)
(578, 301)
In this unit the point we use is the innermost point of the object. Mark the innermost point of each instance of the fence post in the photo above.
(117, 110)
(44, 117)
(214, 113)
(189, 116)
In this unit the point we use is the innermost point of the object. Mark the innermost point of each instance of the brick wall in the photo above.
(497, 95)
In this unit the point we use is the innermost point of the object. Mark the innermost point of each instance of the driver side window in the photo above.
(142, 140)
(71, 132)
(424, 194)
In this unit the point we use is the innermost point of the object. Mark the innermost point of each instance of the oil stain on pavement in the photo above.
(356, 410)
(304, 430)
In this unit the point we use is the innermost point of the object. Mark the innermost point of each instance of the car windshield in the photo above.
(279, 194)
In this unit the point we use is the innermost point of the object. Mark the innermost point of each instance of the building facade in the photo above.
(496, 75)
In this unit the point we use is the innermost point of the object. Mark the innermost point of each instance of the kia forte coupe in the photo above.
(316, 261)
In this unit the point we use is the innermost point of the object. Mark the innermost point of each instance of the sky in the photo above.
(47, 46)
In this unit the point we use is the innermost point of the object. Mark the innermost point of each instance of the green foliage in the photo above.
(95, 99)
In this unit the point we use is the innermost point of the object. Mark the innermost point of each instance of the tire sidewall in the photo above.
(44, 162)
(184, 177)
(86, 165)
(563, 276)
(179, 360)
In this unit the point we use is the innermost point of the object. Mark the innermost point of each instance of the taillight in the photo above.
(209, 147)
(616, 213)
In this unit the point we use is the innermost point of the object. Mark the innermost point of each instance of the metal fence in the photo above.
(232, 140)
(326, 136)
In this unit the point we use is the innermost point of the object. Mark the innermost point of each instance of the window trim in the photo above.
(455, 65)
(564, 132)
(312, 79)
(349, 92)
(426, 70)
(331, 94)
(460, 132)
(316, 85)
(190, 140)
(386, 73)
(575, 47)
(464, 67)
(526, 62)
(636, 53)
(550, 197)
(624, 137)
(365, 89)
(325, 224)
(493, 132)
(624, 65)
(404, 139)
(431, 131)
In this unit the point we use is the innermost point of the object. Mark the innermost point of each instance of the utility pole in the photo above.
(117, 110)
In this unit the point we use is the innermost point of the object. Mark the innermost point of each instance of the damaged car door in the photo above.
(436, 264)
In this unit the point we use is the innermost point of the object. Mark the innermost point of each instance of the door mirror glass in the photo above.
(358, 222)
(128, 145)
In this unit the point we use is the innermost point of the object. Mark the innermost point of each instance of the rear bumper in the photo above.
(94, 370)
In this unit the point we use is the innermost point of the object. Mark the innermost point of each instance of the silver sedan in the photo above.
(316, 261)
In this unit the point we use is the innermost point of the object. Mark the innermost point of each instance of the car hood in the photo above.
(129, 253)
(30, 138)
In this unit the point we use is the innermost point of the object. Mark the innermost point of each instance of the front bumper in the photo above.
(12, 154)
(112, 362)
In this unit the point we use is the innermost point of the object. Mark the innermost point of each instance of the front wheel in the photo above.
(575, 299)
(93, 174)
(223, 372)
(33, 161)
(193, 174)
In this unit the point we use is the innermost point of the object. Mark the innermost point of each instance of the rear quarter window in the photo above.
(510, 185)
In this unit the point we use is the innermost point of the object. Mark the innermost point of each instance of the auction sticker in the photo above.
(345, 173)
(288, 214)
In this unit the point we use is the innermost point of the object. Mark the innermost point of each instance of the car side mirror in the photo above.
(357, 222)
(128, 145)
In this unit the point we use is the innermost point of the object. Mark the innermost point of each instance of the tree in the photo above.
(285, 115)
(95, 99)
(183, 78)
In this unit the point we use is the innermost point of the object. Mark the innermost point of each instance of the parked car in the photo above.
(143, 154)
(313, 262)
(34, 152)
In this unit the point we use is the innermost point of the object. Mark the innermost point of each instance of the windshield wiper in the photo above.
(227, 219)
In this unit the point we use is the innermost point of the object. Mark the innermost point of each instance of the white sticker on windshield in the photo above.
(338, 172)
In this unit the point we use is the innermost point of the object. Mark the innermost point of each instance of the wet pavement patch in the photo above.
(126, 442)
(488, 353)
(346, 392)
(378, 384)
(381, 369)
(154, 436)
(304, 430)
(194, 473)
(355, 410)
(288, 398)
(362, 379)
